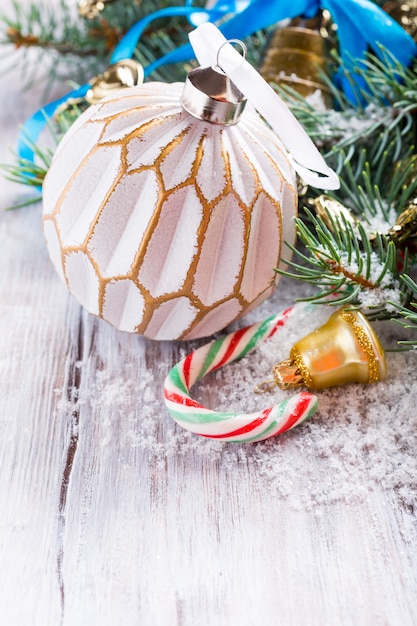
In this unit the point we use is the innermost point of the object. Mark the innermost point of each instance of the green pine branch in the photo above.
(70, 47)
(32, 172)
(384, 109)
(357, 255)
(408, 315)
(363, 261)
(63, 44)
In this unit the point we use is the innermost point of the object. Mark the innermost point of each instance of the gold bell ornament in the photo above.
(344, 350)
(298, 56)
(166, 206)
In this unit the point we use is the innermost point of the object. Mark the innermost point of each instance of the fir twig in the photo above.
(383, 110)
(358, 261)
(408, 315)
(70, 47)
(63, 44)
(343, 265)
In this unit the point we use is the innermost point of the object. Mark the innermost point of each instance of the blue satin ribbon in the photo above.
(35, 124)
(361, 25)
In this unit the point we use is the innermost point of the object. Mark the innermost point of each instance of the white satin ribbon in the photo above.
(212, 48)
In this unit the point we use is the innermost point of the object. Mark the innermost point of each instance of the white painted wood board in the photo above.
(110, 514)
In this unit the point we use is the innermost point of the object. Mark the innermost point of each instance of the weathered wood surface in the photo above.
(109, 514)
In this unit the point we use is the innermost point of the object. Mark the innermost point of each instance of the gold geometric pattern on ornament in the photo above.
(134, 207)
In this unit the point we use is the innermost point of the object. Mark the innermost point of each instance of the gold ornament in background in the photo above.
(91, 9)
(344, 350)
(404, 231)
(297, 56)
(405, 13)
(326, 208)
(126, 73)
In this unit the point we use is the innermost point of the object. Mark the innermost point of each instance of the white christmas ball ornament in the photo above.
(164, 224)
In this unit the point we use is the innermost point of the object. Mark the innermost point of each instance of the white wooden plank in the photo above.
(33, 349)
(111, 514)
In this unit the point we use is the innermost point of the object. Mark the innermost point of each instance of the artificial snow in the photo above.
(362, 438)
(357, 124)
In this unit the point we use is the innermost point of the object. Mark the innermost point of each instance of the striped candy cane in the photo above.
(224, 426)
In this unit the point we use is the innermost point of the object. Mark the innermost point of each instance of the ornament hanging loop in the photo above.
(286, 376)
(207, 42)
(266, 386)
(211, 96)
(236, 41)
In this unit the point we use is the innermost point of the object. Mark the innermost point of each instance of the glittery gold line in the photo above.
(297, 359)
(365, 343)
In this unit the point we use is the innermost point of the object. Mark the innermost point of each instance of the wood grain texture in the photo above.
(110, 514)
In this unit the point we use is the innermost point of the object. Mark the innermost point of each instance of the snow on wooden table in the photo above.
(111, 514)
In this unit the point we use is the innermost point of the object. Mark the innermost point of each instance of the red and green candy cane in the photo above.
(222, 425)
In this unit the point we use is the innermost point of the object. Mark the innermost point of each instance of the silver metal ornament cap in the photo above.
(209, 95)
